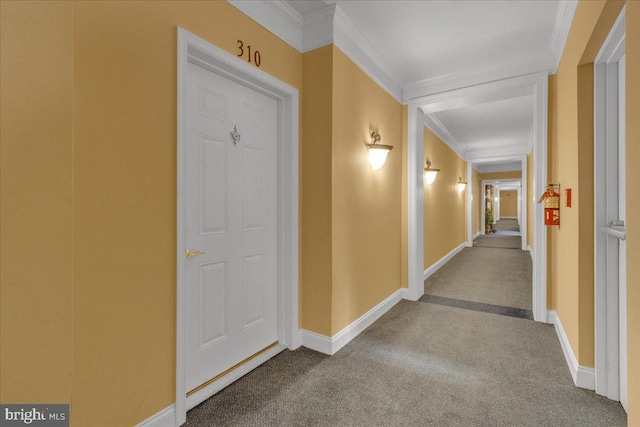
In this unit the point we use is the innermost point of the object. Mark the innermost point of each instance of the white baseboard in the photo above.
(164, 418)
(583, 376)
(476, 235)
(442, 261)
(530, 249)
(330, 346)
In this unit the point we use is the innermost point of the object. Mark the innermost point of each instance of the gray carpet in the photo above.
(488, 275)
(506, 224)
(419, 365)
(498, 241)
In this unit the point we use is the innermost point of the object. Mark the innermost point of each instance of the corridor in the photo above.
(424, 364)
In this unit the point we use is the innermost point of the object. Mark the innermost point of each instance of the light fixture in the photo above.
(377, 152)
(430, 174)
(461, 184)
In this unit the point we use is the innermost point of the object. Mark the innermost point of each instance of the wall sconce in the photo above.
(377, 152)
(461, 184)
(430, 174)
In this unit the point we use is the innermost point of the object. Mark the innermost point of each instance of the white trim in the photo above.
(321, 28)
(436, 126)
(470, 189)
(318, 29)
(415, 211)
(465, 79)
(276, 16)
(531, 84)
(482, 168)
(477, 234)
(606, 291)
(164, 418)
(530, 250)
(564, 18)
(193, 48)
(350, 40)
(201, 395)
(330, 346)
(539, 237)
(442, 261)
(583, 376)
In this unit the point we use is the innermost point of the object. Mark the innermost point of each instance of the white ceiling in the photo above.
(492, 125)
(425, 39)
(463, 42)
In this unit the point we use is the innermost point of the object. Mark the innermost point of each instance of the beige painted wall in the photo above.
(316, 219)
(36, 209)
(444, 205)
(572, 167)
(508, 203)
(88, 186)
(531, 199)
(633, 208)
(366, 204)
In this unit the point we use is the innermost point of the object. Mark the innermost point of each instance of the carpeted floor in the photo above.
(498, 240)
(419, 365)
(487, 275)
(507, 224)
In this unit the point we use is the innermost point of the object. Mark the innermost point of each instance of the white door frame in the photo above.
(607, 344)
(535, 84)
(196, 50)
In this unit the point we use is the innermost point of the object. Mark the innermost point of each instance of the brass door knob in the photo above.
(192, 254)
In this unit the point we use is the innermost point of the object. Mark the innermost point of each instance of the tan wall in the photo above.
(366, 203)
(316, 219)
(36, 294)
(572, 167)
(476, 208)
(444, 205)
(508, 203)
(531, 199)
(88, 187)
(633, 208)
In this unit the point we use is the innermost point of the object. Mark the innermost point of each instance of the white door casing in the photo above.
(192, 49)
(231, 195)
(609, 209)
(535, 84)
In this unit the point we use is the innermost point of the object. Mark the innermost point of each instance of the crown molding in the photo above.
(351, 41)
(321, 28)
(506, 167)
(436, 126)
(561, 28)
(483, 153)
(462, 80)
(276, 16)
(318, 29)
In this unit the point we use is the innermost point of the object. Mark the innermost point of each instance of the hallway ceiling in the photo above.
(438, 46)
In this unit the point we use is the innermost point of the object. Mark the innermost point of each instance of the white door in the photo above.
(231, 216)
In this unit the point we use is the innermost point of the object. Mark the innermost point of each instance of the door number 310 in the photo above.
(255, 58)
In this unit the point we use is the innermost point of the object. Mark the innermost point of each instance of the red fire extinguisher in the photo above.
(551, 206)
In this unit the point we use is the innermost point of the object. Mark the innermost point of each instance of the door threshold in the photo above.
(217, 383)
